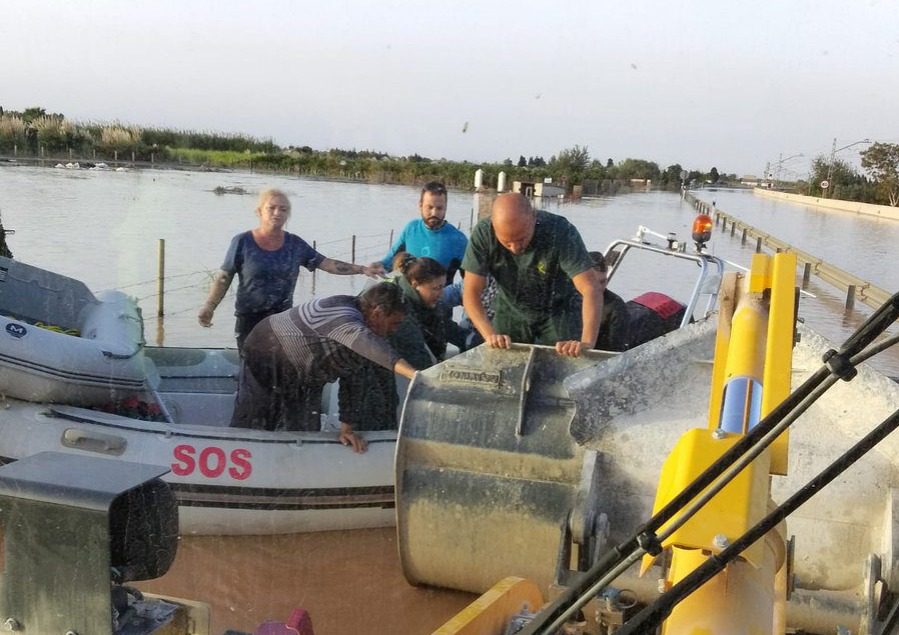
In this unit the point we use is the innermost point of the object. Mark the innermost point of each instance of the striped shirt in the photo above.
(327, 338)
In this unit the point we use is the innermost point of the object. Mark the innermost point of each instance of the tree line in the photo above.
(35, 132)
(878, 182)
(38, 133)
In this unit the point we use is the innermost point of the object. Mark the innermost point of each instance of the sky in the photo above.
(737, 86)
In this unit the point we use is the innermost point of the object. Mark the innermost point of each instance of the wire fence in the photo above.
(191, 286)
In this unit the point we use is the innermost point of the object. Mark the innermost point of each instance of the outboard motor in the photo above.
(76, 527)
(652, 315)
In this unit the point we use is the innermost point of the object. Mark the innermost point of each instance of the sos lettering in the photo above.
(212, 462)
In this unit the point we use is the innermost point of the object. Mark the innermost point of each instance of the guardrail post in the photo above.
(758, 245)
(850, 297)
(806, 274)
(733, 227)
(353, 250)
(743, 237)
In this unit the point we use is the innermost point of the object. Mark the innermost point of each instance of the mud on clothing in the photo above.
(266, 279)
(290, 356)
(536, 302)
(446, 245)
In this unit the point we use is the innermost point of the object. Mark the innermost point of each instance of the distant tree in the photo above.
(507, 163)
(30, 114)
(522, 162)
(881, 162)
(638, 169)
(609, 163)
(713, 175)
(844, 181)
(671, 176)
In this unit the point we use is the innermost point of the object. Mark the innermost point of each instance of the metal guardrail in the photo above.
(854, 286)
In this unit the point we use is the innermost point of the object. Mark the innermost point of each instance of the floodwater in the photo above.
(104, 228)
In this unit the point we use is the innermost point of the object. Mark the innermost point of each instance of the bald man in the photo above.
(547, 289)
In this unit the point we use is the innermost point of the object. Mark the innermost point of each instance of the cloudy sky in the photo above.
(701, 83)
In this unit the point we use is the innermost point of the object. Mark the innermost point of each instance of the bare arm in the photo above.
(341, 268)
(402, 367)
(220, 283)
(591, 313)
(472, 289)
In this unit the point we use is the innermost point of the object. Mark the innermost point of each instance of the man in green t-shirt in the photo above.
(548, 291)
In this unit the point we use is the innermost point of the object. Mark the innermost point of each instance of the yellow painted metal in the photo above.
(489, 614)
(779, 349)
(727, 302)
(738, 601)
(759, 273)
(737, 507)
(746, 354)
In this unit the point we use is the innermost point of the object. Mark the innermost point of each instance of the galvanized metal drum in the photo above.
(489, 480)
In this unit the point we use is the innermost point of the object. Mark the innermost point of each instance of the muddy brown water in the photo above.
(350, 582)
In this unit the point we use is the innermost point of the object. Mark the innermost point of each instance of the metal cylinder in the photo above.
(503, 489)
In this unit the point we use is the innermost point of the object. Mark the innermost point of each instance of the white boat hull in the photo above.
(227, 480)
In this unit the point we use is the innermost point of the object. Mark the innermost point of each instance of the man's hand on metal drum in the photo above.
(570, 348)
(498, 341)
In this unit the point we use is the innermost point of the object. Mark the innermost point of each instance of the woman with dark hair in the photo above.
(290, 356)
(421, 338)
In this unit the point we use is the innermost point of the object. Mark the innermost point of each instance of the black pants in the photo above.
(271, 394)
(246, 321)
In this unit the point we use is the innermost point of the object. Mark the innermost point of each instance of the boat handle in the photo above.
(94, 442)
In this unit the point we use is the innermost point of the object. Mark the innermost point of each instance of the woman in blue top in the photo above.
(267, 262)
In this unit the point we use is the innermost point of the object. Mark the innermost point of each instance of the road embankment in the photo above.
(866, 209)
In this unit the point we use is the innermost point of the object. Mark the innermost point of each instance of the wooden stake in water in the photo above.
(160, 279)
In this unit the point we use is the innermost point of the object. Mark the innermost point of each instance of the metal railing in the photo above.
(852, 285)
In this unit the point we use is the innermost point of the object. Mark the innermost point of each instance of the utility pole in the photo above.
(833, 152)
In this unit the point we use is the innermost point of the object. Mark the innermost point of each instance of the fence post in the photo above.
(758, 245)
(390, 240)
(743, 237)
(160, 279)
(806, 274)
(313, 271)
(850, 297)
(353, 251)
(733, 227)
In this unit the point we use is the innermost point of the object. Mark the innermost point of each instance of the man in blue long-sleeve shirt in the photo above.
(431, 235)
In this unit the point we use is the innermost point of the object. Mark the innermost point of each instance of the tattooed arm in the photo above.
(341, 268)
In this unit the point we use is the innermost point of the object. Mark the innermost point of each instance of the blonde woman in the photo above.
(267, 262)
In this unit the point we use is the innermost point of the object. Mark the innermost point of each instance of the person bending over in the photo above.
(370, 401)
(547, 290)
(290, 356)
